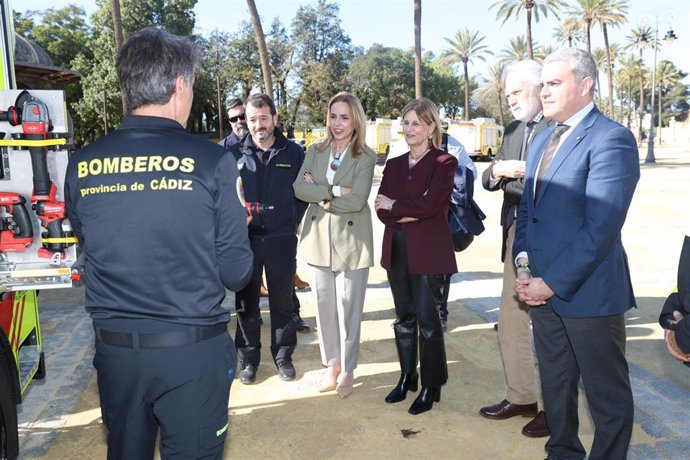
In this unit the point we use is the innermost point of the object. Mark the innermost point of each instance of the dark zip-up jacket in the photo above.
(161, 223)
(270, 183)
(229, 140)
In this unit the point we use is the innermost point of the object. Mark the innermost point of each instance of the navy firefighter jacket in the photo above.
(267, 178)
(161, 223)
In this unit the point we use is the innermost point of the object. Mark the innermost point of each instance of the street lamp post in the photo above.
(670, 37)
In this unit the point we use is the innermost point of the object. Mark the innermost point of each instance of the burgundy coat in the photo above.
(422, 192)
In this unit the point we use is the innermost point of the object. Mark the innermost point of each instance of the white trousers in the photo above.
(339, 306)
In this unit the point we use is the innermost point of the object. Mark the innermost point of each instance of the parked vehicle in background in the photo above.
(302, 142)
(481, 137)
(315, 135)
(379, 137)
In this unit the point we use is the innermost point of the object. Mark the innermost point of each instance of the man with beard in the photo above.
(238, 123)
(522, 81)
(269, 164)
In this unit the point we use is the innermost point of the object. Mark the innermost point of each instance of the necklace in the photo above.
(413, 161)
(335, 164)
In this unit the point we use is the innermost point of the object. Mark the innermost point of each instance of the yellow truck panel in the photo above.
(481, 137)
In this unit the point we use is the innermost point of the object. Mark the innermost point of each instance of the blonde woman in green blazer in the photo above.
(337, 236)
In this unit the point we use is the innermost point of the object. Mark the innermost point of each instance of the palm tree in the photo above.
(510, 8)
(516, 50)
(641, 38)
(466, 46)
(542, 52)
(621, 84)
(117, 26)
(610, 13)
(263, 51)
(667, 76)
(616, 52)
(585, 12)
(117, 23)
(570, 31)
(599, 56)
(418, 48)
(494, 88)
(629, 70)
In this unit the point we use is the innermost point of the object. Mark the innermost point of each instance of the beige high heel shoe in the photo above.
(345, 382)
(330, 378)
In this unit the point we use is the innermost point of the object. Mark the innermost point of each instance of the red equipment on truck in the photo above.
(37, 246)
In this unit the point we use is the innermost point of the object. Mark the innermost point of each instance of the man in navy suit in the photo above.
(572, 268)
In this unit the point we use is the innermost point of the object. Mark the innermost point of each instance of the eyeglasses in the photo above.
(237, 117)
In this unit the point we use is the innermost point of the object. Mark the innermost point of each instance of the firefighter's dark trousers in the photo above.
(277, 256)
(154, 375)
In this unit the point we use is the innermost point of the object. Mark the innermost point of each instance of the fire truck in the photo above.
(37, 245)
(379, 135)
(481, 137)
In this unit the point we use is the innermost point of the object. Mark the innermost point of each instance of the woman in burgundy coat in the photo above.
(418, 250)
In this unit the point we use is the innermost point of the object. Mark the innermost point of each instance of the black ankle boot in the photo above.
(407, 382)
(425, 400)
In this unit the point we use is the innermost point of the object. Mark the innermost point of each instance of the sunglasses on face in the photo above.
(237, 117)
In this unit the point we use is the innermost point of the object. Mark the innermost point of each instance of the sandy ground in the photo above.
(276, 419)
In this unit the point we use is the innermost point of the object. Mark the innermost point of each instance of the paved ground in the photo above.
(60, 418)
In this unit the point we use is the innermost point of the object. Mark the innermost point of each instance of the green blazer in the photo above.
(337, 231)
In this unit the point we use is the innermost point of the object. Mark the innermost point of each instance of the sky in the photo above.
(390, 23)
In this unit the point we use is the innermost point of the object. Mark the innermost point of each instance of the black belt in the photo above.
(163, 339)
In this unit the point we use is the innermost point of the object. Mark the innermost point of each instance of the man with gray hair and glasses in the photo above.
(164, 232)
(522, 84)
(572, 268)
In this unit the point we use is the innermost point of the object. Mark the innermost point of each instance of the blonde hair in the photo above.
(360, 122)
(427, 111)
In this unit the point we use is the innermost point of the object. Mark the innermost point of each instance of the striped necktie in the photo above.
(529, 129)
(549, 153)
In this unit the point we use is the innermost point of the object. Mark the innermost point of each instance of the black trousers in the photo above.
(295, 302)
(277, 256)
(594, 349)
(181, 390)
(417, 299)
(444, 296)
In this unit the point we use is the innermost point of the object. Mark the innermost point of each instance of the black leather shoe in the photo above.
(248, 373)
(286, 371)
(425, 401)
(301, 325)
(537, 428)
(407, 382)
(506, 409)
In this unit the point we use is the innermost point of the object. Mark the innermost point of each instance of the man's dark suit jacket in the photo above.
(680, 301)
(512, 188)
(422, 192)
(572, 232)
